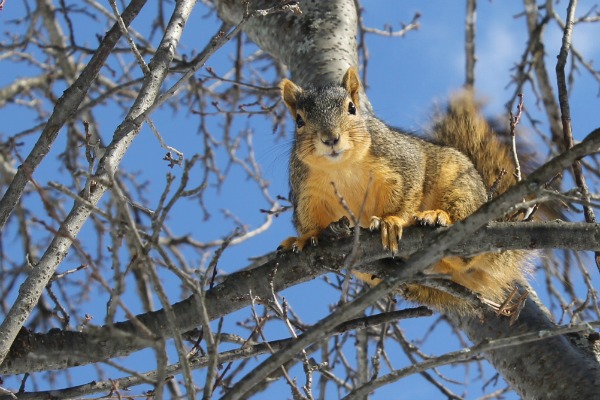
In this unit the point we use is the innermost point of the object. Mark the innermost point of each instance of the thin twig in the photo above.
(470, 27)
(514, 121)
(563, 98)
(466, 354)
(132, 45)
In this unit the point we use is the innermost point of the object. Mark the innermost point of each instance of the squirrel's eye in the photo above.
(299, 121)
(352, 108)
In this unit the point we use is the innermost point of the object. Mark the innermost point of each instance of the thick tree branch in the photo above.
(558, 367)
(38, 352)
(471, 58)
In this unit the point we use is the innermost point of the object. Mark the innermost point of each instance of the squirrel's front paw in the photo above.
(391, 230)
(296, 244)
(433, 218)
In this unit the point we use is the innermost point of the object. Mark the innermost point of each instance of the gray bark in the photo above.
(560, 367)
(317, 46)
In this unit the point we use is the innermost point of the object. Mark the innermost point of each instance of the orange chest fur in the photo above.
(366, 187)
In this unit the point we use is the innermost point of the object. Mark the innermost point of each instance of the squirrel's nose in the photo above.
(330, 140)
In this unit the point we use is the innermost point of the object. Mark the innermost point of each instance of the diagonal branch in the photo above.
(65, 107)
(39, 277)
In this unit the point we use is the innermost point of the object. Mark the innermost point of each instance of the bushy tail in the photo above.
(463, 127)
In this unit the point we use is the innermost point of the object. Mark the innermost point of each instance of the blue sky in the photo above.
(407, 76)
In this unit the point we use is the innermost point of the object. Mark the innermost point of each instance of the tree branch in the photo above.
(62, 349)
(65, 107)
(37, 280)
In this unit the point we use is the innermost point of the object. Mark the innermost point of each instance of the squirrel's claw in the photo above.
(433, 218)
(391, 230)
(375, 224)
(301, 243)
(287, 244)
(296, 244)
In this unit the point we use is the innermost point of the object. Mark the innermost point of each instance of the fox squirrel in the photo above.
(390, 180)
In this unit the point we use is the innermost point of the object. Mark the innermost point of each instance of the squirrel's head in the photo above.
(329, 125)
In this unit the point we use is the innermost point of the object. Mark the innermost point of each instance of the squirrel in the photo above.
(390, 180)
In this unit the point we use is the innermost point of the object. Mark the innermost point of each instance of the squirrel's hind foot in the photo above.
(511, 307)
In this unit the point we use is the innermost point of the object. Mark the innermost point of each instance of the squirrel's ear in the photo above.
(289, 94)
(351, 82)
